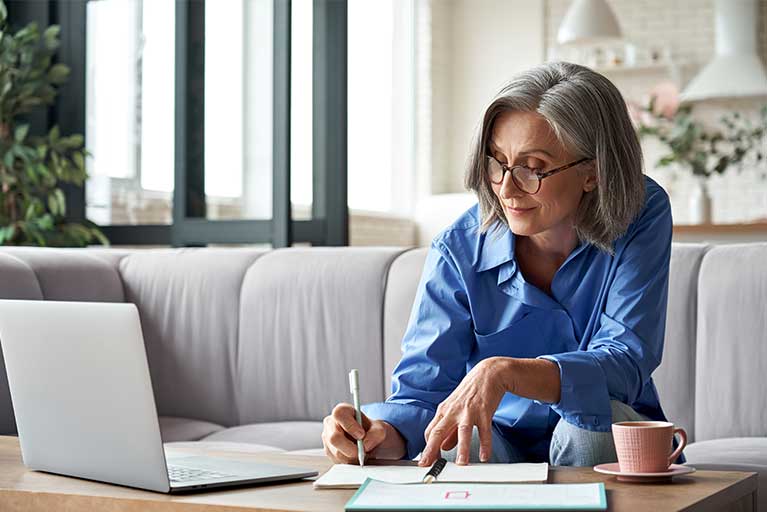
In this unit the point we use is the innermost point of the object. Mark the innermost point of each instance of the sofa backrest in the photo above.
(309, 315)
(189, 304)
(731, 362)
(675, 377)
(233, 336)
(237, 336)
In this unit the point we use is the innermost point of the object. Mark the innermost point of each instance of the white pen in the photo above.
(354, 385)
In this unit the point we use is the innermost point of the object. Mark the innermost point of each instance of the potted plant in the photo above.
(33, 168)
(704, 151)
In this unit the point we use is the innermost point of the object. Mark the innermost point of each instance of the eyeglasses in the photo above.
(526, 179)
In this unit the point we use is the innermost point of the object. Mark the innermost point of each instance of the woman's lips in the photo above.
(519, 211)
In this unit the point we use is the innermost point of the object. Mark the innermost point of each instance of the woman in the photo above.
(541, 311)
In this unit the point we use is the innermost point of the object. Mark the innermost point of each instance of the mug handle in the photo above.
(681, 446)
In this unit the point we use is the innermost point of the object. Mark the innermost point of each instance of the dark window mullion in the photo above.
(330, 119)
(282, 235)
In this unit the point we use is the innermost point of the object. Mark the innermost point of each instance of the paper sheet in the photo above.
(461, 496)
(348, 476)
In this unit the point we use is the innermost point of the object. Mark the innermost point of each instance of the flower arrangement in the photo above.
(704, 151)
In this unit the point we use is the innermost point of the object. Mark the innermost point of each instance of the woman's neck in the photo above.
(553, 245)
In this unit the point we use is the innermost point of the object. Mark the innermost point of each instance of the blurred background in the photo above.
(329, 122)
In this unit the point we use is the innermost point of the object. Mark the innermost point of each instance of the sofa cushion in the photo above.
(175, 429)
(307, 317)
(71, 274)
(287, 435)
(401, 287)
(675, 377)
(18, 282)
(733, 454)
(189, 304)
(731, 357)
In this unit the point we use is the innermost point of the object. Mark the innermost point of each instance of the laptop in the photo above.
(84, 406)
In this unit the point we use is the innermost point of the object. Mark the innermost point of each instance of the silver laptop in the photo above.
(84, 406)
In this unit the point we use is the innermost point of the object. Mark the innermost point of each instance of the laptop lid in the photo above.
(81, 391)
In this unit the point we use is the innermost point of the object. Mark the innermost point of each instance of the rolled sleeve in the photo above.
(617, 361)
(435, 351)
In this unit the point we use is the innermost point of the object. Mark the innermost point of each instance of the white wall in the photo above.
(477, 46)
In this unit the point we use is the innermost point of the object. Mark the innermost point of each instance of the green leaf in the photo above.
(58, 74)
(3, 13)
(54, 134)
(61, 200)
(51, 37)
(79, 160)
(21, 133)
(8, 159)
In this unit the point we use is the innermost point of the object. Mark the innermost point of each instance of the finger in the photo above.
(450, 442)
(433, 423)
(465, 430)
(373, 437)
(431, 453)
(344, 416)
(485, 441)
(342, 444)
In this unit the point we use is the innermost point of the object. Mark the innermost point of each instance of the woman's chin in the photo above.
(521, 228)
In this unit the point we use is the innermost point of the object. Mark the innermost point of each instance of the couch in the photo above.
(251, 347)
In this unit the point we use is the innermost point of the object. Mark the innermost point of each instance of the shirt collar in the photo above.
(497, 248)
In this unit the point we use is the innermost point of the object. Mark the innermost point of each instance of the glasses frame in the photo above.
(540, 175)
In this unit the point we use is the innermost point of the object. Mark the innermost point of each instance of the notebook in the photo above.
(350, 476)
(376, 495)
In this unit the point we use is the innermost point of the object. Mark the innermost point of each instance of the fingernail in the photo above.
(460, 460)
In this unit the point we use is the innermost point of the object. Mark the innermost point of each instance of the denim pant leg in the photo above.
(502, 450)
(573, 446)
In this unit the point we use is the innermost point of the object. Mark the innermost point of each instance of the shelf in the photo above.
(605, 70)
(750, 228)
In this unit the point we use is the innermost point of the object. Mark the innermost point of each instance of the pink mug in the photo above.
(646, 446)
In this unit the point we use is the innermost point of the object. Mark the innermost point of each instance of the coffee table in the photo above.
(33, 491)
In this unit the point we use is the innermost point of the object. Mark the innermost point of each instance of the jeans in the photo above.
(570, 445)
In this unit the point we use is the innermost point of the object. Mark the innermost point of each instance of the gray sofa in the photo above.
(253, 347)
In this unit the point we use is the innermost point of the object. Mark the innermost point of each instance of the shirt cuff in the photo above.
(410, 420)
(584, 400)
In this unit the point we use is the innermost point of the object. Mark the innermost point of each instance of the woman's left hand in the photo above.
(473, 402)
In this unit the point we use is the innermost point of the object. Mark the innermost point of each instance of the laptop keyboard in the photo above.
(184, 474)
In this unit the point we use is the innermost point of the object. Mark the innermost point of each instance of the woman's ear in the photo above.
(590, 177)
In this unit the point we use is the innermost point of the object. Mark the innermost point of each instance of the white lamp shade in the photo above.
(587, 22)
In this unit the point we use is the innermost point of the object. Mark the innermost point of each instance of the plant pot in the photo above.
(700, 202)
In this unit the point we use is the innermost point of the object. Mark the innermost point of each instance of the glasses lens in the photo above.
(494, 170)
(525, 179)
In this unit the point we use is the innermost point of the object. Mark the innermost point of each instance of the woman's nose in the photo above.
(509, 190)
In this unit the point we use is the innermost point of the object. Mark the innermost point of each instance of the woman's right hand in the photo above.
(340, 433)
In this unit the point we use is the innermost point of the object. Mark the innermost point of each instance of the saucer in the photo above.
(664, 476)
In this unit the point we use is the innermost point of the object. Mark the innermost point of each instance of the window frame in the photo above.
(189, 227)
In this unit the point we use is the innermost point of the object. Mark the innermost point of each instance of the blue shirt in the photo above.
(603, 325)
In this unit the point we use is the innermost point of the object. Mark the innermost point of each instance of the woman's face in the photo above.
(525, 138)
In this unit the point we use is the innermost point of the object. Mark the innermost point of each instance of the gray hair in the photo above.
(590, 119)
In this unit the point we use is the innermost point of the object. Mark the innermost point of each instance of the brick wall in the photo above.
(686, 28)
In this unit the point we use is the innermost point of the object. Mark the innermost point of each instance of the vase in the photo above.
(700, 202)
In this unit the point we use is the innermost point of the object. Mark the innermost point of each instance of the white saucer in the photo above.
(614, 469)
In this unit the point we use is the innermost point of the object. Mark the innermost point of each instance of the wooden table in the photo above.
(32, 491)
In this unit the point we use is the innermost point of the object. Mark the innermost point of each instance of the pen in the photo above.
(354, 385)
(435, 470)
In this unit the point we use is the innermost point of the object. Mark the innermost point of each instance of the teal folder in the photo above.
(376, 495)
